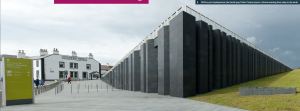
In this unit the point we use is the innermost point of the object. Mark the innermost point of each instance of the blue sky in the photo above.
(110, 31)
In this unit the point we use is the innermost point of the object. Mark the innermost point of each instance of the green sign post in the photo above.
(18, 82)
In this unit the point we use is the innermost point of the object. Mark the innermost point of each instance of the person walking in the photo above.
(42, 82)
(69, 78)
(37, 82)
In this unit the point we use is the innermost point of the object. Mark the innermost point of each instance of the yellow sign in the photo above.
(18, 81)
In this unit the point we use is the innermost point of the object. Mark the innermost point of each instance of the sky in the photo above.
(111, 31)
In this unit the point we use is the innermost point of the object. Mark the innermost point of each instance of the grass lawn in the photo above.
(230, 96)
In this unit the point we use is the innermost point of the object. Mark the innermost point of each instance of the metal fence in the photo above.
(41, 89)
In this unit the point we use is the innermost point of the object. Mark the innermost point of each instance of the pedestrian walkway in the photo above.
(98, 96)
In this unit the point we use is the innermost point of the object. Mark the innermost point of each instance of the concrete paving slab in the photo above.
(88, 98)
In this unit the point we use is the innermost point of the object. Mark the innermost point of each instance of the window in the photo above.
(75, 65)
(37, 72)
(88, 66)
(71, 65)
(61, 74)
(37, 63)
(61, 64)
(72, 74)
(84, 75)
(76, 75)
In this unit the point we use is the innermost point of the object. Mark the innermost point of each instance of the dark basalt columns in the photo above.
(130, 72)
(238, 62)
(191, 57)
(126, 74)
(234, 60)
(163, 61)
(151, 67)
(136, 71)
(143, 67)
(202, 56)
(217, 59)
(183, 55)
(210, 59)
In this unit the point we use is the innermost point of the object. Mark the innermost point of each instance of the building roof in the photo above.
(48, 55)
(106, 67)
(6, 55)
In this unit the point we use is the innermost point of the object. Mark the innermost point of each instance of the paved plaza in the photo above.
(98, 96)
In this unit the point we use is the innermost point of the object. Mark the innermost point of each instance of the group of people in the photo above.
(39, 82)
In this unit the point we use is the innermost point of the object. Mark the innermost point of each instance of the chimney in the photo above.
(55, 51)
(91, 56)
(74, 53)
(21, 54)
(43, 52)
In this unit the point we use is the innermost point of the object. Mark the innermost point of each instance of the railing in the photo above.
(41, 89)
(198, 16)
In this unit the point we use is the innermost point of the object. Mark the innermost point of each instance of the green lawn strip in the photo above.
(230, 96)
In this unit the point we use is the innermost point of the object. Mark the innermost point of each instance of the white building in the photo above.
(55, 66)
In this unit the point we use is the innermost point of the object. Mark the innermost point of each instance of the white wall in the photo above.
(37, 68)
(52, 66)
(1, 69)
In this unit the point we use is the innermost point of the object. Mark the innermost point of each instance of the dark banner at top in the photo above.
(247, 1)
(101, 1)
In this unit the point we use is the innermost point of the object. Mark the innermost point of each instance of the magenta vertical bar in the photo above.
(101, 1)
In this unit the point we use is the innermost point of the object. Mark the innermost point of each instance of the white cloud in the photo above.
(108, 31)
(252, 40)
(287, 52)
(275, 49)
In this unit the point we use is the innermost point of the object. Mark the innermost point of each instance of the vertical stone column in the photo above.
(122, 75)
(118, 76)
(151, 67)
(163, 58)
(136, 71)
(130, 72)
(234, 60)
(183, 55)
(217, 59)
(202, 56)
(225, 48)
(143, 67)
(114, 78)
(210, 59)
(126, 73)
(251, 61)
(260, 60)
(230, 62)
(255, 68)
(244, 61)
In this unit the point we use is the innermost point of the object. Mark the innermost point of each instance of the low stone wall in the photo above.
(267, 90)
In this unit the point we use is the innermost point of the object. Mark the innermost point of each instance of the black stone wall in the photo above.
(191, 57)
